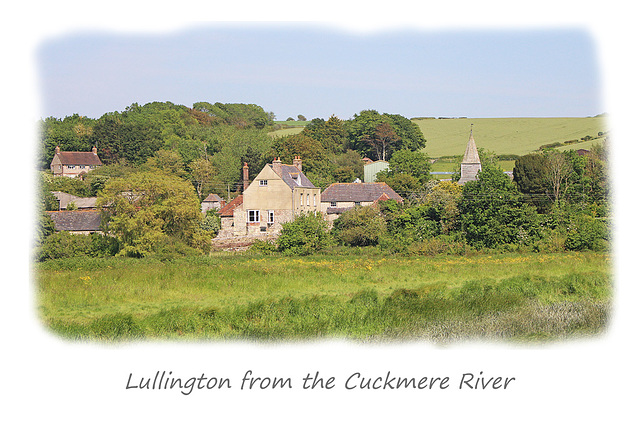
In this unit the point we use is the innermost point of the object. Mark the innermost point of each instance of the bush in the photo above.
(67, 245)
(586, 233)
(264, 247)
(361, 226)
(306, 234)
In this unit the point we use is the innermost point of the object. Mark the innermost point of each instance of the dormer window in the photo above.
(295, 177)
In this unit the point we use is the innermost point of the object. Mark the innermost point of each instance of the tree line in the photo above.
(205, 146)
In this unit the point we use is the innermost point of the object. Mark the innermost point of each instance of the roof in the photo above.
(81, 202)
(228, 209)
(471, 153)
(293, 177)
(213, 198)
(79, 158)
(87, 220)
(359, 192)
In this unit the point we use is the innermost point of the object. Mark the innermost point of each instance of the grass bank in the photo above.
(511, 296)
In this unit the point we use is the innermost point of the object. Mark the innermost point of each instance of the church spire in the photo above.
(470, 165)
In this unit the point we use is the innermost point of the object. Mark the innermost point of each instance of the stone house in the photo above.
(277, 194)
(74, 163)
(337, 198)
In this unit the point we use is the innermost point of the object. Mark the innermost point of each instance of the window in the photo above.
(253, 216)
(301, 199)
(334, 204)
(263, 183)
(271, 217)
(307, 199)
(356, 203)
(314, 200)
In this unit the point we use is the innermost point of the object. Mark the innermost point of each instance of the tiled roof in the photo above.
(79, 158)
(87, 220)
(228, 209)
(303, 181)
(358, 192)
(213, 198)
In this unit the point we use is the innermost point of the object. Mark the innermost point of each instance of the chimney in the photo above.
(57, 150)
(277, 166)
(94, 150)
(245, 176)
(297, 162)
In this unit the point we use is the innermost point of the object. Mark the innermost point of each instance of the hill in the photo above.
(448, 137)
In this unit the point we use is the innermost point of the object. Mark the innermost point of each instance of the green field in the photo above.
(448, 137)
(443, 298)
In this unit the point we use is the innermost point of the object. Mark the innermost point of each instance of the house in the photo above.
(77, 222)
(470, 165)
(277, 194)
(339, 197)
(212, 201)
(66, 199)
(74, 163)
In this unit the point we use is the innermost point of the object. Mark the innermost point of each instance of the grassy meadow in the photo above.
(448, 137)
(363, 296)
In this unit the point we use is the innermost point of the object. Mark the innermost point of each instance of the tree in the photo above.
(384, 139)
(408, 172)
(530, 176)
(149, 209)
(301, 118)
(331, 133)
(557, 174)
(201, 171)
(361, 132)
(492, 212)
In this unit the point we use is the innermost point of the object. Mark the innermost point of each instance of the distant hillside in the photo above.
(448, 137)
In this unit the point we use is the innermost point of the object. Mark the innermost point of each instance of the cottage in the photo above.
(276, 195)
(77, 222)
(339, 197)
(74, 163)
(212, 201)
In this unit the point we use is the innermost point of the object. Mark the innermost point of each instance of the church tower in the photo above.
(470, 165)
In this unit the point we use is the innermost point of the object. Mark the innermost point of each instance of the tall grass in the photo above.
(360, 297)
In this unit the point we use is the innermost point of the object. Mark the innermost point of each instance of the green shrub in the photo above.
(585, 233)
(264, 247)
(360, 226)
(306, 234)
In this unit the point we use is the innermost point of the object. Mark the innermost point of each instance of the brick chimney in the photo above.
(94, 150)
(57, 150)
(297, 162)
(277, 166)
(245, 176)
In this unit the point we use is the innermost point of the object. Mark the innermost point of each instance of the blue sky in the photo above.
(317, 72)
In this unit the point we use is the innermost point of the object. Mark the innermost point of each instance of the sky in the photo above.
(316, 71)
